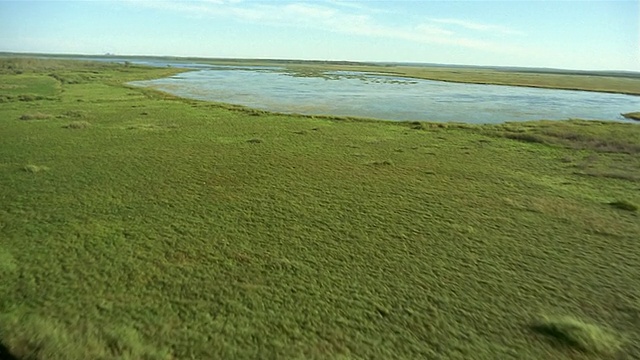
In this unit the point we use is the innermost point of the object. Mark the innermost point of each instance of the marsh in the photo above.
(382, 96)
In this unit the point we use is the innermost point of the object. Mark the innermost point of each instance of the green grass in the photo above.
(193, 230)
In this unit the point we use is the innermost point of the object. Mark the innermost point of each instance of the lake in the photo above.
(374, 95)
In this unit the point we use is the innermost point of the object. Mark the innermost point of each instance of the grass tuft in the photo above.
(30, 97)
(382, 163)
(525, 137)
(34, 168)
(624, 205)
(417, 125)
(35, 116)
(254, 141)
(575, 333)
(77, 125)
(74, 114)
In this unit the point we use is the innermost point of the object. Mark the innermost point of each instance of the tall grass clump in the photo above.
(575, 333)
(624, 205)
(77, 125)
(30, 168)
(35, 116)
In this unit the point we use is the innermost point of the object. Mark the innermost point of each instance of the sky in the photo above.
(585, 35)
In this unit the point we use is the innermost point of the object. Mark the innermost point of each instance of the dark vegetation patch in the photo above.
(143, 127)
(74, 114)
(4, 98)
(417, 125)
(5, 354)
(30, 97)
(607, 165)
(77, 125)
(526, 137)
(624, 205)
(597, 136)
(612, 174)
(254, 141)
(382, 163)
(424, 125)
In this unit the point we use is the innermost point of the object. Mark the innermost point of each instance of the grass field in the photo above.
(136, 225)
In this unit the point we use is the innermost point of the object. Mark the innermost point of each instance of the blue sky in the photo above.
(559, 34)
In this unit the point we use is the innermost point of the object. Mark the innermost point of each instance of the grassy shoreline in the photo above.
(595, 81)
(632, 116)
(560, 81)
(135, 224)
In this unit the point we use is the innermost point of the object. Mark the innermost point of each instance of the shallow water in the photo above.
(378, 96)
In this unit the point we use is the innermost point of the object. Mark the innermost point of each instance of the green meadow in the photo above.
(138, 225)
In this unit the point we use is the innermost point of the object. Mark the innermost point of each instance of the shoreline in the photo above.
(611, 82)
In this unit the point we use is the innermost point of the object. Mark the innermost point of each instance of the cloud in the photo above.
(353, 5)
(471, 25)
(349, 18)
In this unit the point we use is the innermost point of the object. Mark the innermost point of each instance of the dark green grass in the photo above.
(624, 205)
(166, 222)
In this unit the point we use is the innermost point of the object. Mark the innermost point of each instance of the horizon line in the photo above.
(358, 62)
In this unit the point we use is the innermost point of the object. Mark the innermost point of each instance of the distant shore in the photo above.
(619, 82)
(632, 116)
